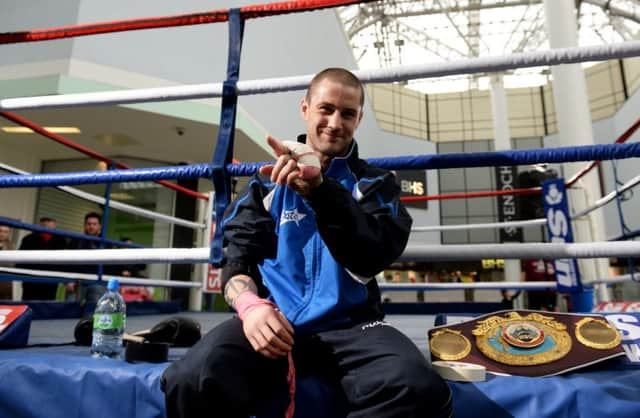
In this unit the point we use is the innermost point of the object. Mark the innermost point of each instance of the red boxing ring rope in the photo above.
(91, 153)
(215, 16)
(491, 193)
(247, 12)
(623, 138)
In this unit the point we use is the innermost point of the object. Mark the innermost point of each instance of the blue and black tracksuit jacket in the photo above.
(314, 257)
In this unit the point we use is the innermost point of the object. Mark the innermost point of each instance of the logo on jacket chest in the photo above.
(292, 216)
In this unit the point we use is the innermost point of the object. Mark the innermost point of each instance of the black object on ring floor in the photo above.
(146, 351)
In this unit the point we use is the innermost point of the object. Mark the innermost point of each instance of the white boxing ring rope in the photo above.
(619, 279)
(420, 252)
(470, 252)
(399, 287)
(542, 285)
(608, 198)
(413, 253)
(284, 84)
(116, 205)
(532, 222)
(141, 281)
(383, 286)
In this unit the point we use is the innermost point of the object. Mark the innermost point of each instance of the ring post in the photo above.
(567, 272)
(582, 301)
(195, 294)
(224, 148)
(105, 221)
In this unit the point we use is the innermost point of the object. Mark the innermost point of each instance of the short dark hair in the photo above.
(93, 215)
(47, 219)
(340, 75)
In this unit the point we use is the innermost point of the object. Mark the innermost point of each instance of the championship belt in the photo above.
(527, 343)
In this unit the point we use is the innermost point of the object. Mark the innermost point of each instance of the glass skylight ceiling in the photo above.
(390, 33)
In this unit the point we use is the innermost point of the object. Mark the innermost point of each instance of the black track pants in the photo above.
(380, 370)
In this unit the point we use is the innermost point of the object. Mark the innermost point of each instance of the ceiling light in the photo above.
(52, 129)
(116, 139)
(122, 196)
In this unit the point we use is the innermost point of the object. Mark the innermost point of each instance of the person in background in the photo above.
(133, 293)
(6, 289)
(415, 277)
(131, 270)
(423, 277)
(539, 270)
(381, 279)
(91, 293)
(5, 238)
(508, 297)
(470, 277)
(42, 241)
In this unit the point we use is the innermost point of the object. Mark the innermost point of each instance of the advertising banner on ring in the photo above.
(556, 209)
(211, 276)
(628, 323)
(508, 206)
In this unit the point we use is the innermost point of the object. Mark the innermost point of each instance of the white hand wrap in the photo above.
(308, 162)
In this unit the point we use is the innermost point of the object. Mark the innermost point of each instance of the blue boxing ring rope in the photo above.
(425, 162)
(438, 161)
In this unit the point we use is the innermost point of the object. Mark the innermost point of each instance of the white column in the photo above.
(162, 235)
(502, 141)
(575, 128)
(501, 134)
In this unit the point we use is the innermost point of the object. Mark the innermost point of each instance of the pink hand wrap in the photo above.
(248, 301)
(245, 303)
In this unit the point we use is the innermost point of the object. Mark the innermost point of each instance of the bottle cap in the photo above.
(113, 285)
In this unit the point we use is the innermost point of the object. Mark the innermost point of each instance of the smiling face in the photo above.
(332, 111)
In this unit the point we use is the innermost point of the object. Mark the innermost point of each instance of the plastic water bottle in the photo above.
(108, 323)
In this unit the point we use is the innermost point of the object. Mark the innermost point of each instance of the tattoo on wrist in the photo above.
(236, 286)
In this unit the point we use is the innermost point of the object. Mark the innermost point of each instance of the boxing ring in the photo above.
(37, 379)
(52, 377)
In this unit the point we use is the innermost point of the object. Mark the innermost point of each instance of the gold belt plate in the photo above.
(519, 340)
